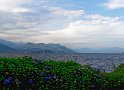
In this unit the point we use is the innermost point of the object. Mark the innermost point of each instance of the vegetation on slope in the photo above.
(24, 74)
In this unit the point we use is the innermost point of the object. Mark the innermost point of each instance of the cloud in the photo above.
(100, 19)
(67, 13)
(37, 21)
(97, 31)
(13, 5)
(18, 21)
(114, 4)
(26, 15)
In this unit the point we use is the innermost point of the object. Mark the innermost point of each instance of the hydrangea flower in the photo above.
(7, 82)
(50, 76)
(10, 78)
(42, 73)
(35, 74)
(46, 79)
(47, 67)
(30, 81)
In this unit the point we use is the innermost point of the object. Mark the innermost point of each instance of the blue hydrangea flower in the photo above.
(7, 82)
(47, 67)
(10, 78)
(50, 76)
(30, 81)
(35, 74)
(42, 73)
(46, 79)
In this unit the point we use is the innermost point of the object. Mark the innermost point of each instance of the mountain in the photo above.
(33, 47)
(100, 50)
(9, 43)
(45, 48)
(4, 48)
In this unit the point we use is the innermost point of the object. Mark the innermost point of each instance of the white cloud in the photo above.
(100, 19)
(67, 13)
(13, 5)
(57, 25)
(114, 4)
(92, 31)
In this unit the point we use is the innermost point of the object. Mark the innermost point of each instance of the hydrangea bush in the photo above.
(25, 74)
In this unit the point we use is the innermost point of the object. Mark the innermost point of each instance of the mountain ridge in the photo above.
(4, 48)
(30, 47)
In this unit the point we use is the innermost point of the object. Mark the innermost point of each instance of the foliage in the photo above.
(24, 74)
(115, 80)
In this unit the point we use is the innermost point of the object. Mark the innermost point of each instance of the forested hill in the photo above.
(33, 47)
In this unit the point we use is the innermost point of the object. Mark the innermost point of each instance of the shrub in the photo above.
(24, 74)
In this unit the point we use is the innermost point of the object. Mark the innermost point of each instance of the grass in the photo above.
(25, 74)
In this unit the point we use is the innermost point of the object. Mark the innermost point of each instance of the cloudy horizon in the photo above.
(82, 23)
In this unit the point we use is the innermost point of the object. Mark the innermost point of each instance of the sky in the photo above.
(74, 23)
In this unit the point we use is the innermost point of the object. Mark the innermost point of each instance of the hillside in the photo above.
(4, 48)
(25, 74)
(33, 47)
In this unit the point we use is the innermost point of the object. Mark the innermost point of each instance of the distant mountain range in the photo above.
(8, 46)
(100, 50)
(4, 48)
